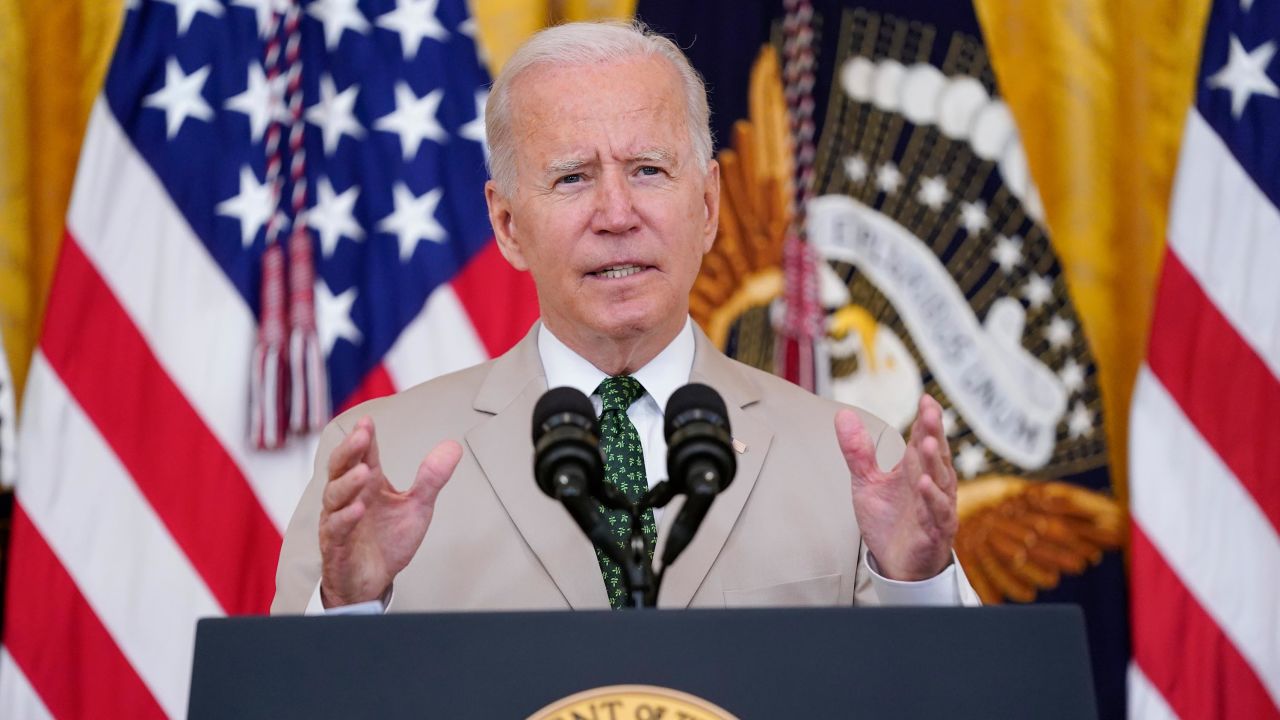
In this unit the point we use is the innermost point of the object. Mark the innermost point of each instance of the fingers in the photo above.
(932, 463)
(856, 444)
(340, 492)
(337, 526)
(360, 445)
(929, 420)
(939, 506)
(341, 506)
(936, 508)
(436, 469)
(930, 439)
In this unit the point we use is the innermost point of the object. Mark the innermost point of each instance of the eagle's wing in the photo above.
(743, 268)
(1019, 536)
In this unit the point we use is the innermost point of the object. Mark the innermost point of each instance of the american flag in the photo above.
(1205, 438)
(141, 503)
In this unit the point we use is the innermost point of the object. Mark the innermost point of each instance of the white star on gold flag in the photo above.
(933, 193)
(888, 178)
(1007, 253)
(1037, 291)
(1071, 375)
(1080, 422)
(973, 216)
(1059, 332)
(971, 460)
(855, 168)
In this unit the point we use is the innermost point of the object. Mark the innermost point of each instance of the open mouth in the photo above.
(617, 272)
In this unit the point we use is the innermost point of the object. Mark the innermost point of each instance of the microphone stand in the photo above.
(642, 585)
(634, 558)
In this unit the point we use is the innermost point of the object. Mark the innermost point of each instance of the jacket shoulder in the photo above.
(448, 395)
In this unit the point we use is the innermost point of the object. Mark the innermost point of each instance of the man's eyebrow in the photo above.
(567, 165)
(571, 165)
(656, 155)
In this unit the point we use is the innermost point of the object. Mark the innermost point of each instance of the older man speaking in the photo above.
(604, 188)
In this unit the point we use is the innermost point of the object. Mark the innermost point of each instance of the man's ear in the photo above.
(711, 202)
(503, 223)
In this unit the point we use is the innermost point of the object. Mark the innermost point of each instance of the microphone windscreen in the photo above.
(694, 401)
(562, 402)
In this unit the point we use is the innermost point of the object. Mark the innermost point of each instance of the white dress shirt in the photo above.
(666, 372)
(662, 376)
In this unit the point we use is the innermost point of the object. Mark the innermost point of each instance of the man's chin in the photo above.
(618, 325)
(621, 330)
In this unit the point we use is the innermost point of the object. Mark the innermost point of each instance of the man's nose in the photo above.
(615, 207)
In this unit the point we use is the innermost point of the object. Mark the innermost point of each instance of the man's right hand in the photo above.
(369, 530)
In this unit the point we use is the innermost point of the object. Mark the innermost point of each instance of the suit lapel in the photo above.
(504, 452)
(687, 574)
(502, 447)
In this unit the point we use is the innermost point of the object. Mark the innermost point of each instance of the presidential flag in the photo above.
(348, 135)
(1205, 463)
(935, 271)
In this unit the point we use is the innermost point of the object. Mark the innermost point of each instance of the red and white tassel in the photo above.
(309, 401)
(289, 383)
(309, 404)
(269, 382)
(270, 376)
(799, 350)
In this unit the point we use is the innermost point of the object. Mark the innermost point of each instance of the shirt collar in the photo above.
(660, 377)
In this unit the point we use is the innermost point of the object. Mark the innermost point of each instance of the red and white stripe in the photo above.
(141, 506)
(1204, 459)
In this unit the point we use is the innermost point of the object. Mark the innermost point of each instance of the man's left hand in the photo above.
(907, 515)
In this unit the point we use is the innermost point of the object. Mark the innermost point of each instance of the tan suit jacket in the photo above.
(782, 534)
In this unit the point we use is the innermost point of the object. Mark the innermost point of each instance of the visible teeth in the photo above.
(621, 271)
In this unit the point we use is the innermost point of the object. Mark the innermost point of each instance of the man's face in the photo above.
(611, 212)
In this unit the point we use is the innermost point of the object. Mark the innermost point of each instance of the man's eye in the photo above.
(649, 170)
(570, 179)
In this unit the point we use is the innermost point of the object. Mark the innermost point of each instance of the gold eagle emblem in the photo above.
(1017, 536)
(744, 267)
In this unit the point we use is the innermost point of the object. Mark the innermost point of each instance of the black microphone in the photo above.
(700, 458)
(566, 460)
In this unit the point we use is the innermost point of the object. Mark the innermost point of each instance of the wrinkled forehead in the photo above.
(635, 106)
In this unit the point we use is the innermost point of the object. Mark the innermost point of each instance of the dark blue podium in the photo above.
(998, 662)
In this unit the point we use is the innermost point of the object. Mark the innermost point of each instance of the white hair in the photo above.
(588, 43)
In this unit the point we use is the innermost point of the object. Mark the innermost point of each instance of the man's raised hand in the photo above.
(907, 515)
(369, 530)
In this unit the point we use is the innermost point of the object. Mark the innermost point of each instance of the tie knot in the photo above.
(617, 393)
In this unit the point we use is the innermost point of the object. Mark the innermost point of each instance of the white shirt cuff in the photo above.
(940, 590)
(315, 606)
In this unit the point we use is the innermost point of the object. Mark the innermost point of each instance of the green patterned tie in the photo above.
(624, 467)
